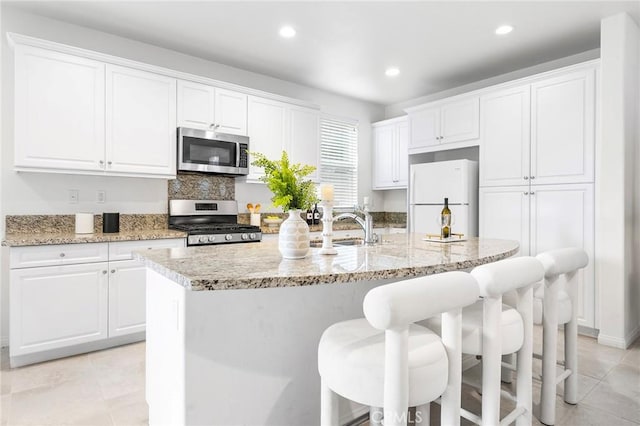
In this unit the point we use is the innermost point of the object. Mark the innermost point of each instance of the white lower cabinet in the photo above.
(127, 294)
(545, 217)
(65, 296)
(57, 306)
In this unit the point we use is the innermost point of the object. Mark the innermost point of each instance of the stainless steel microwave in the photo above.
(212, 152)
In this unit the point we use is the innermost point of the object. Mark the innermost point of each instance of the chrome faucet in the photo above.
(366, 224)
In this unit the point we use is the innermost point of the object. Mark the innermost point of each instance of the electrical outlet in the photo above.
(73, 196)
(101, 196)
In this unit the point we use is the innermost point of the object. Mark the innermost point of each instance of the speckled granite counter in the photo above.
(259, 265)
(47, 238)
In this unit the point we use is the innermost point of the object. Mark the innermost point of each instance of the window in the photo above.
(339, 159)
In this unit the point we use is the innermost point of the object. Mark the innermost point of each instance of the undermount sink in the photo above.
(345, 242)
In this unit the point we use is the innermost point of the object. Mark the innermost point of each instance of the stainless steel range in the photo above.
(210, 222)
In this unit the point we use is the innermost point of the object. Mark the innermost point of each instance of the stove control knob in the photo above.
(212, 238)
(228, 237)
(202, 239)
(245, 236)
(252, 236)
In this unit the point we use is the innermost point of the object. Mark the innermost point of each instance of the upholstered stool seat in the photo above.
(564, 306)
(511, 329)
(351, 362)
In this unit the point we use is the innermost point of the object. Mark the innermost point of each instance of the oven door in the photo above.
(212, 152)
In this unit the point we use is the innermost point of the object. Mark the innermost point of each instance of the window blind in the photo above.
(339, 159)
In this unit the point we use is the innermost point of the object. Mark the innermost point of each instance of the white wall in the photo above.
(617, 259)
(34, 193)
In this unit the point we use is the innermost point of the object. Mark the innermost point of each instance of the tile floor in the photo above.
(107, 388)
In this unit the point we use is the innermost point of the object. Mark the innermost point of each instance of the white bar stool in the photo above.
(387, 361)
(553, 306)
(491, 329)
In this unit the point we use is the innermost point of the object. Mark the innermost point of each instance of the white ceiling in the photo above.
(345, 47)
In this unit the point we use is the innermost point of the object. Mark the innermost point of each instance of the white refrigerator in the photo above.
(431, 183)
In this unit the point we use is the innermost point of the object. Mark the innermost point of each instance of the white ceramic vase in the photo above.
(293, 240)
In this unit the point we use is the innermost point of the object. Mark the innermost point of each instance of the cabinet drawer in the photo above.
(55, 255)
(122, 250)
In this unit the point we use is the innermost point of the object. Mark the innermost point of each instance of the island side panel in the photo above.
(165, 347)
(251, 355)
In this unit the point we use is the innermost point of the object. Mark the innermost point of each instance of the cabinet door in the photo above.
(562, 216)
(563, 128)
(141, 122)
(231, 112)
(59, 111)
(460, 121)
(304, 138)
(504, 214)
(504, 150)
(402, 157)
(425, 128)
(58, 306)
(384, 148)
(127, 295)
(196, 105)
(267, 130)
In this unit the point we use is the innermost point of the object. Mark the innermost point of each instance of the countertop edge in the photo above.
(26, 240)
(317, 279)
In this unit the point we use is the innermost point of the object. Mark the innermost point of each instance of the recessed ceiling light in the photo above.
(504, 29)
(392, 72)
(287, 32)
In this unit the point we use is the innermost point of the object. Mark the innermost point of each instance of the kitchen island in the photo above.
(232, 331)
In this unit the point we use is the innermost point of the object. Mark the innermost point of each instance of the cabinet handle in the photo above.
(533, 177)
(109, 162)
(113, 271)
(526, 178)
(61, 254)
(214, 126)
(533, 193)
(101, 162)
(526, 193)
(104, 272)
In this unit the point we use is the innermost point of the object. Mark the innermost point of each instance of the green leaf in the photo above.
(287, 181)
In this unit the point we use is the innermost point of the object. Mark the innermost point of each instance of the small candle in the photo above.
(326, 192)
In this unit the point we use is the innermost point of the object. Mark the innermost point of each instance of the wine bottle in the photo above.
(445, 220)
(309, 216)
(316, 214)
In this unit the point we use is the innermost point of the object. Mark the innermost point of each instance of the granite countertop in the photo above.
(48, 238)
(259, 265)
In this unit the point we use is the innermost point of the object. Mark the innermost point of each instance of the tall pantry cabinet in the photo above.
(537, 142)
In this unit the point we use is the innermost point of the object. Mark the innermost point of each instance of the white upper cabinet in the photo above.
(304, 138)
(276, 126)
(563, 128)
(267, 130)
(59, 111)
(141, 122)
(390, 154)
(540, 133)
(433, 126)
(504, 150)
(206, 107)
(196, 105)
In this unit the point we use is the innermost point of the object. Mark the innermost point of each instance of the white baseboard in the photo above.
(620, 342)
